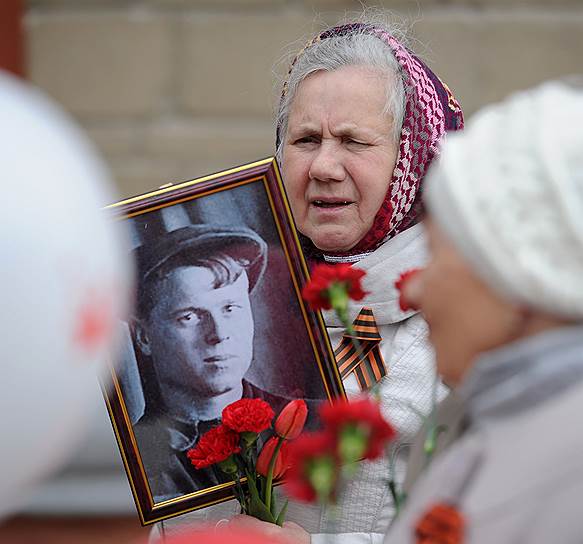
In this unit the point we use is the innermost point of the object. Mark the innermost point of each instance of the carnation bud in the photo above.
(352, 443)
(228, 466)
(248, 438)
(339, 298)
(322, 476)
(290, 422)
(404, 302)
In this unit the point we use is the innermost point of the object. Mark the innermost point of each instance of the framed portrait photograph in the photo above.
(218, 316)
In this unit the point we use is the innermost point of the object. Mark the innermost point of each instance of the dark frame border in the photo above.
(266, 171)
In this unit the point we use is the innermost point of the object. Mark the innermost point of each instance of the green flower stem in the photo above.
(339, 299)
(431, 437)
(270, 469)
(395, 495)
(240, 494)
(248, 458)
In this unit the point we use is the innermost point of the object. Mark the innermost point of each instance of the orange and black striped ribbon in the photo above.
(360, 353)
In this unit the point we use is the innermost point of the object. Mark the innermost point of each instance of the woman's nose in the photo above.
(327, 164)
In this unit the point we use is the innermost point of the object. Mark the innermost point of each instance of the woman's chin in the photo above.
(331, 242)
(333, 246)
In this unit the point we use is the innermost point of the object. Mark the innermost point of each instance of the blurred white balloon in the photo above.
(64, 279)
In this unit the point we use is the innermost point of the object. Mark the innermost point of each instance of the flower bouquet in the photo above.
(355, 430)
(320, 461)
(234, 447)
(352, 431)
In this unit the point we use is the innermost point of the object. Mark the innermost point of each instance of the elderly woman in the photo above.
(359, 121)
(503, 296)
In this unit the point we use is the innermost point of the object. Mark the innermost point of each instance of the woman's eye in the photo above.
(355, 143)
(306, 140)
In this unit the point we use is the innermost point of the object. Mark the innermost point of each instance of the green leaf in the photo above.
(252, 484)
(240, 494)
(258, 510)
(257, 507)
(281, 516)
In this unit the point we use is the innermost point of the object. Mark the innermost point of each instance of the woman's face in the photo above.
(465, 316)
(339, 155)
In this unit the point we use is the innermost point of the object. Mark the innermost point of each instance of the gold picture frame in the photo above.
(292, 356)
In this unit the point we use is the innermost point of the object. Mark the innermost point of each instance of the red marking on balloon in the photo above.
(94, 323)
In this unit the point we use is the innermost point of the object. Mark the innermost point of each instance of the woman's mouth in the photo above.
(328, 204)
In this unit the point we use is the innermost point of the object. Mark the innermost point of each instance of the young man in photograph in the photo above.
(194, 329)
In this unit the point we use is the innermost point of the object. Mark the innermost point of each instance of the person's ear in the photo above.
(142, 337)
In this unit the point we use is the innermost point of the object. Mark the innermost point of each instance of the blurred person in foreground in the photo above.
(503, 296)
(360, 119)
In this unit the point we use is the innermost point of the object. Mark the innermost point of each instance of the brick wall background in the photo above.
(174, 89)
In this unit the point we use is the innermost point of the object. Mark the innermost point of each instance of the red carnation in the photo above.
(405, 304)
(326, 279)
(248, 415)
(441, 524)
(364, 414)
(313, 467)
(214, 446)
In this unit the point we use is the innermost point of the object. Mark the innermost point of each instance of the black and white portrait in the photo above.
(216, 319)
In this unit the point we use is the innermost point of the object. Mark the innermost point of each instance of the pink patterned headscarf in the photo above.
(430, 111)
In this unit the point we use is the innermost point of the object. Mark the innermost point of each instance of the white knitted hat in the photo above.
(508, 192)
